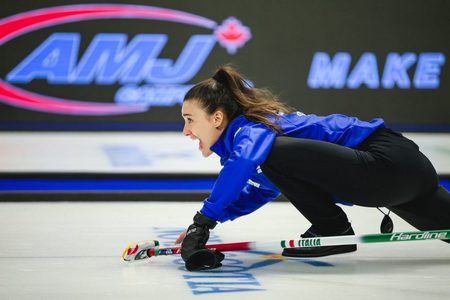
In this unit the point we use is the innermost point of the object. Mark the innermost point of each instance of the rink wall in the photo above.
(29, 187)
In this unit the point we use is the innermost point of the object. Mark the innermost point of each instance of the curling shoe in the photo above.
(320, 251)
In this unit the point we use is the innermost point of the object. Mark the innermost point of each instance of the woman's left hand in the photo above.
(193, 248)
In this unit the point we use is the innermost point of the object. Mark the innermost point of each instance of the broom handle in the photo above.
(319, 242)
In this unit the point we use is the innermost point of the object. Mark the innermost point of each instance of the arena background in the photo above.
(285, 37)
(90, 103)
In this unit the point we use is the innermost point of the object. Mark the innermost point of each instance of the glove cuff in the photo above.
(200, 219)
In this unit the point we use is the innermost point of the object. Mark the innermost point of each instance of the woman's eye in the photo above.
(189, 120)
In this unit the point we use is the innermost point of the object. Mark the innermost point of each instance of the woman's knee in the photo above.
(286, 151)
(275, 158)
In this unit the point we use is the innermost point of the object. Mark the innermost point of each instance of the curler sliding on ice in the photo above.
(146, 249)
(267, 148)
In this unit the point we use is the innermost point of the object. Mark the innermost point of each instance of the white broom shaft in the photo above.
(354, 239)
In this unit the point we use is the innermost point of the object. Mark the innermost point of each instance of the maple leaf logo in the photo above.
(232, 34)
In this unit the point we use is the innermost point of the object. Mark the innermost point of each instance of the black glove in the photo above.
(193, 251)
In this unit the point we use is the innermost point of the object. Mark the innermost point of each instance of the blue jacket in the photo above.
(241, 187)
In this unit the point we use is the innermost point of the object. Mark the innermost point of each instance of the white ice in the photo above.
(73, 251)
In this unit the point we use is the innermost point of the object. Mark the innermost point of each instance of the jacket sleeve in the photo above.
(250, 199)
(251, 147)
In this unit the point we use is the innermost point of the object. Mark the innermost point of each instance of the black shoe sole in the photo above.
(318, 251)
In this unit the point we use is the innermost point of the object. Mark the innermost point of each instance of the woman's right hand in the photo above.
(181, 237)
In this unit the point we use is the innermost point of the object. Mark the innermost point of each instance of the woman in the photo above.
(314, 161)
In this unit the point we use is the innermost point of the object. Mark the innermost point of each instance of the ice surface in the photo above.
(73, 251)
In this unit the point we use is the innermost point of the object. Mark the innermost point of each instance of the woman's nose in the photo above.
(187, 131)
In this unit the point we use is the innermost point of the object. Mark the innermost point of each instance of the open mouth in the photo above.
(200, 144)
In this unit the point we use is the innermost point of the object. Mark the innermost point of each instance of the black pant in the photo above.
(386, 170)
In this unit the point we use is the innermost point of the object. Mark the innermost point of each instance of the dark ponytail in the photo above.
(229, 91)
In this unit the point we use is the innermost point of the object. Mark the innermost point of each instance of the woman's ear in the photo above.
(219, 119)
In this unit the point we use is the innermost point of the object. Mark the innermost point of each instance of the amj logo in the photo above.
(111, 59)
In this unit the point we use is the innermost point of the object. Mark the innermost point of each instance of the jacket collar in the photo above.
(225, 141)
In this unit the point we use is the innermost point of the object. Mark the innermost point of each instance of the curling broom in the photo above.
(146, 249)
